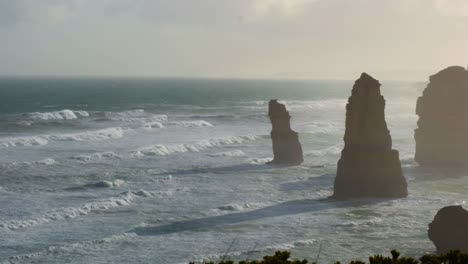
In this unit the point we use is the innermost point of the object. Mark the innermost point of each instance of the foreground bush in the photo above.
(282, 257)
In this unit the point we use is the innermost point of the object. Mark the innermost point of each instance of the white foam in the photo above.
(82, 246)
(25, 123)
(329, 104)
(107, 133)
(143, 120)
(96, 156)
(137, 115)
(322, 128)
(195, 123)
(163, 150)
(408, 161)
(48, 161)
(238, 207)
(11, 165)
(291, 245)
(72, 212)
(23, 141)
(258, 161)
(152, 125)
(82, 113)
(107, 184)
(234, 153)
(131, 112)
(58, 115)
(334, 150)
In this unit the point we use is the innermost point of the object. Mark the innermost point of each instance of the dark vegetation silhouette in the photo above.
(283, 257)
(368, 167)
(287, 149)
(443, 120)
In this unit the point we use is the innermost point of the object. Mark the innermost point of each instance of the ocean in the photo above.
(135, 170)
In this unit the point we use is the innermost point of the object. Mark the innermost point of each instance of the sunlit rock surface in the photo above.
(287, 149)
(368, 167)
(441, 136)
(449, 230)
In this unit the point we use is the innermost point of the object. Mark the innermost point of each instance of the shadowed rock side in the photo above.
(443, 120)
(287, 149)
(368, 166)
(449, 230)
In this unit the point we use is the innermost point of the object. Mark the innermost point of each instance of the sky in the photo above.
(311, 39)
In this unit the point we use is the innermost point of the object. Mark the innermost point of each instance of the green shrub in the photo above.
(282, 257)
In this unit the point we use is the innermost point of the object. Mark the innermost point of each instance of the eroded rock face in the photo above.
(287, 149)
(449, 230)
(368, 167)
(441, 136)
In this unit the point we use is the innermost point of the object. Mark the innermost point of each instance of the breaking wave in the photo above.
(322, 128)
(83, 245)
(107, 133)
(334, 150)
(72, 212)
(107, 184)
(234, 153)
(23, 141)
(58, 115)
(11, 165)
(163, 150)
(196, 123)
(241, 207)
(260, 161)
(152, 125)
(96, 156)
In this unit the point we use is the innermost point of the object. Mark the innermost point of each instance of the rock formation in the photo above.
(449, 230)
(287, 149)
(368, 166)
(441, 136)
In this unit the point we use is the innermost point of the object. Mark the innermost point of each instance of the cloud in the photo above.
(452, 7)
(199, 12)
(261, 9)
(10, 11)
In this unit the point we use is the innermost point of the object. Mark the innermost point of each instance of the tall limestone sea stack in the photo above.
(441, 136)
(368, 167)
(287, 149)
(449, 230)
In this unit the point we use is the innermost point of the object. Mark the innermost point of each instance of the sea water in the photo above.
(115, 170)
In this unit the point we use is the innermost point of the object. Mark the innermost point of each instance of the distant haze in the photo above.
(316, 39)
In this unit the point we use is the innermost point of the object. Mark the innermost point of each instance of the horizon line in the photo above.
(240, 78)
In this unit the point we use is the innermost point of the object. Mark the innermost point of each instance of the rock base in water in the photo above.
(368, 167)
(287, 149)
(449, 230)
(441, 136)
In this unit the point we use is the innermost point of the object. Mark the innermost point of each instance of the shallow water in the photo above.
(173, 170)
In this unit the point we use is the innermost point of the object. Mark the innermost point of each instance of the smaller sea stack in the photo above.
(368, 167)
(441, 136)
(287, 149)
(449, 230)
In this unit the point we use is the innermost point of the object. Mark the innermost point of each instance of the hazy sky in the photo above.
(325, 39)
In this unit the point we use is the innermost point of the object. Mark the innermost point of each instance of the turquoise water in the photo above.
(172, 170)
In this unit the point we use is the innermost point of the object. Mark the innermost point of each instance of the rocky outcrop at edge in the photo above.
(441, 136)
(449, 230)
